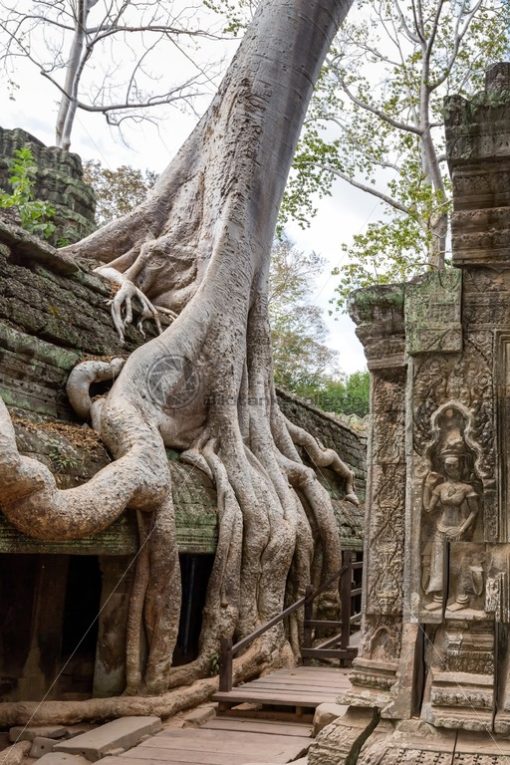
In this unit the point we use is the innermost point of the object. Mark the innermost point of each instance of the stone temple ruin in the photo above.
(431, 683)
(58, 180)
(54, 313)
(433, 672)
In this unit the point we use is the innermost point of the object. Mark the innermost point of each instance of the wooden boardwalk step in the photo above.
(298, 688)
(219, 745)
(270, 727)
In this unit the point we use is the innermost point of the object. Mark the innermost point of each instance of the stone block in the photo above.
(325, 714)
(15, 754)
(41, 745)
(21, 733)
(62, 758)
(118, 734)
(199, 716)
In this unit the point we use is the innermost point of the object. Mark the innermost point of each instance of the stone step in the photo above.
(20, 733)
(118, 734)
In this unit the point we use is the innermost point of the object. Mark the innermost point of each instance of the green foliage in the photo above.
(345, 395)
(237, 13)
(61, 462)
(303, 364)
(376, 121)
(214, 664)
(35, 215)
(300, 356)
(117, 191)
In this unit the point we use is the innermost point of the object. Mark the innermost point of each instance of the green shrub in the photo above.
(35, 215)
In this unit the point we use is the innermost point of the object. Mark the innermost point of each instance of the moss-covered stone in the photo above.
(59, 180)
(49, 321)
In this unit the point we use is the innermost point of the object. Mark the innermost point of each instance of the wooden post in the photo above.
(345, 600)
(225, 683)
(307, 628)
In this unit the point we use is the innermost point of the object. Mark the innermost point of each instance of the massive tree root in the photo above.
(199, 248)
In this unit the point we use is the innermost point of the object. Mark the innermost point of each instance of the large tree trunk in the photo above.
(200, 246)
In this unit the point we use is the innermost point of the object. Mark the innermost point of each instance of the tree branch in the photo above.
(378, 112)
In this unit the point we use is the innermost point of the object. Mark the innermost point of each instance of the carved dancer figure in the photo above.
(456, 502)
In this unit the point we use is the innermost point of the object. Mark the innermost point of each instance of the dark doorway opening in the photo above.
(17, 581)
(195, 573)
(80, 625)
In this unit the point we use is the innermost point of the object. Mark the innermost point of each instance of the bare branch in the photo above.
(374, 192)
(378, 112)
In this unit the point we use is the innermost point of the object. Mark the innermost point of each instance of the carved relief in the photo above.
(467, 581)
(387, 507)
(467, 380)
(497, 588)
(383, 754)
(377, 661)
(386, 571)
(451, 501)
(433, 313)
(381, 639)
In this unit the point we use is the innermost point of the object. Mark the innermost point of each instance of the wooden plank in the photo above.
(267, 712)
(336, 682)
(282, 688)
(285, 690)
(302, 672)
(297, 700)
(193, 738)
(218, 754)
(183, 757)
(332, 671)
(320, 623)
(269, 727)
(298, 682)
(318, 653)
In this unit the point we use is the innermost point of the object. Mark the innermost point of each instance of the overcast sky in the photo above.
(339, 217)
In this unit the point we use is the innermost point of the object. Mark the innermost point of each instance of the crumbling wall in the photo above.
(59, 180)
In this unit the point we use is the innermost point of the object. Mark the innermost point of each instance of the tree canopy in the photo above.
(104, 56)
(376, 122)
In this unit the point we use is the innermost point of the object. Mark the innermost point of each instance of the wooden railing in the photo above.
(326, 650)
(336, 647)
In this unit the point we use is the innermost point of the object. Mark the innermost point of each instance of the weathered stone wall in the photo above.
(436, 623)
(53, 314)
(59, 180)
(351, 446)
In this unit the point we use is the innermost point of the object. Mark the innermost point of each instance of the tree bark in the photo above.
(200, 247)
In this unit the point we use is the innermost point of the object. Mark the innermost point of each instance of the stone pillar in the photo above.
(437, 582)
(109, 670)
(379, 315)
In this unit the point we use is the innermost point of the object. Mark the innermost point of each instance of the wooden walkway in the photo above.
(296, 690)
(244, 737)
(221, 741)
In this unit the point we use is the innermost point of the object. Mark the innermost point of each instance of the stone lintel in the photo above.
(378, 313)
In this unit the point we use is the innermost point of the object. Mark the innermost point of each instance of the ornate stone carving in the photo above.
(451, 502)
(432, 313)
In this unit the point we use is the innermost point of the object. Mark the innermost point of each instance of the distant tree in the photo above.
(104, 56)
(300, 356)
(347, 395)
(377, 123)
(117, 191)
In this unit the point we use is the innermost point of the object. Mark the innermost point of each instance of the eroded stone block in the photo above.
(118, 734)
